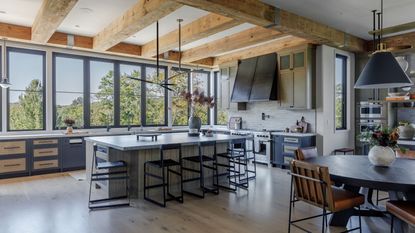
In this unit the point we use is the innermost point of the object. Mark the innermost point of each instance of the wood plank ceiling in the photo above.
(278, 27)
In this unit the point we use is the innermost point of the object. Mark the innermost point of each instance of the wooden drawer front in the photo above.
(289, 149)
(12, 148)
(45, 164)
(291, 140)
(12, 165)
(45, 142)
(45, 152)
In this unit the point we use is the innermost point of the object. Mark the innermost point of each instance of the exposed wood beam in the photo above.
(49, 17)
(236, 41)
(394, 29)
(270, 47)
(396, 42)
(209, 61)
(196, 30)
(261, 14)
(59, 39)
(141, 15)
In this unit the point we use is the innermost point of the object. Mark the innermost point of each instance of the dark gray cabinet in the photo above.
(73, 153)
(284, 147)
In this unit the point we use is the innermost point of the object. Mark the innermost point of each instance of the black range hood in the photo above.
(256, 79)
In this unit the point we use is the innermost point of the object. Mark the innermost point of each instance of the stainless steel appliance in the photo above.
(262, 147)
(372, 109)
(370, 125)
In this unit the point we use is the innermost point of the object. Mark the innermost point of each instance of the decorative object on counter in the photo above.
(194, 99)
(405, 153)
(403, 63)
(152, 135)
(207, 133)
(406, 130)
(301, 126)
(382, 69)
(235, 123)
(69, 123)
(382, 142)
(264, 116)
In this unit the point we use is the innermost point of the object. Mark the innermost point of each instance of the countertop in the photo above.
(294, 134)
(129, 142)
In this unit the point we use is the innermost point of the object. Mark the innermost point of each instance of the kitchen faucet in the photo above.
(263, 116)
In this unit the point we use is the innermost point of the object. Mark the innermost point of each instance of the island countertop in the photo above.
(130, 142)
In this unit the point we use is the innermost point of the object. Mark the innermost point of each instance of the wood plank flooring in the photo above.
(57, 203)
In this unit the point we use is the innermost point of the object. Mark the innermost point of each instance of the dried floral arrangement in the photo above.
(198, 98)
(69, 121)
(382, 137)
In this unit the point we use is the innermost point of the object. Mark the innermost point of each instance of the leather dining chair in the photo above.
(404, 210)
(311, 184)
(306, 153)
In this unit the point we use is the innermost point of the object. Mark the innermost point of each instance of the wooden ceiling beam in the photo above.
(236, 41)
(49, 17)
(264, 15)
(270, 47)
(141, 15)
(396, 43)
(196, 30)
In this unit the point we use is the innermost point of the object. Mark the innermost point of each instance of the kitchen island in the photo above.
(137, 152)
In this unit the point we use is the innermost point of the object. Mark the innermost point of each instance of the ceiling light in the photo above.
(77, 26)
(86, 10)
(382, 70)
(3, 12)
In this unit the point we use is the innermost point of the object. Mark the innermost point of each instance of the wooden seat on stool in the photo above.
(344, 151)
(404, 210)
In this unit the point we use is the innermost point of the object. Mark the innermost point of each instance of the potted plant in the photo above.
(406, 130)
(194, 99)
(383, 142)
(69, 123)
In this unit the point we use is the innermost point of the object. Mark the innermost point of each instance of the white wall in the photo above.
(328, 138)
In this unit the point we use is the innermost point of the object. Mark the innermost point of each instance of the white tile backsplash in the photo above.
(279, 118)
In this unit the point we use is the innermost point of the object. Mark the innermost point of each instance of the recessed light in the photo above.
(3, 12)
(86, 10)
(77, 26)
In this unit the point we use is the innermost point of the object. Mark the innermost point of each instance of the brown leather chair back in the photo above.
(305, 153)
(312, 184)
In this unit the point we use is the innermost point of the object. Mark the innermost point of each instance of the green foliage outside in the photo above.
(102, 103)
(27, 113)
(180, 106)
(73, 111)
(222, 117)
(130, 99)
(154, 98)
(339, 107)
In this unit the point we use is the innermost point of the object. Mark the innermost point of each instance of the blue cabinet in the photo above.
(284, 147)
(73, 153)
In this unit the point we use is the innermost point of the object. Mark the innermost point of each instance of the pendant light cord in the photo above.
(4, 75)
(157, 48)
(180, 43)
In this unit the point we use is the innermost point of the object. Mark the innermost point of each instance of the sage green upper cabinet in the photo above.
(296, 77)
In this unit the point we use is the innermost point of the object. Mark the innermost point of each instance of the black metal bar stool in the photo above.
(166, 166)
(205, 161)
(236, 165)
(106, 171)
(250, 157)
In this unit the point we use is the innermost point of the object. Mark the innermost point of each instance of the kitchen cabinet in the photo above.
(45, 155)
(296, 78)
(73, 153)
(284, 147)
(14, 158)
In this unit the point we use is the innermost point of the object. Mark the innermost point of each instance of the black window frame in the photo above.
(27, 51)
(208, 90)
(344, 94)
(188, 89)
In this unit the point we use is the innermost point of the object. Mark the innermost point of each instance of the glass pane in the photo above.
(155, 114)
(199, 82)
(340, 92)
(130, 95)
(26, 72)
(221, 111)
(69, 78)
(298, 59)
(102, 93)
(69, 105)
(180, 107)
(285, 62)
(26, 108)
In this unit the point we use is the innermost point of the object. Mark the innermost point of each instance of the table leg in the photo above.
(398, 225)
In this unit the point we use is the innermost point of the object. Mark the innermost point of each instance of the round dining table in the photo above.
(356, 172)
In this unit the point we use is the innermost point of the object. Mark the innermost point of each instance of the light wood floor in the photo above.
(58, 204)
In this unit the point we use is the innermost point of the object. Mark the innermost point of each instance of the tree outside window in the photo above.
(130, 95)
(200, 82)
(180, 107)
(155, 97)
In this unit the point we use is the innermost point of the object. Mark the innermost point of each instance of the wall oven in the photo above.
(370, 125)
(372, 110)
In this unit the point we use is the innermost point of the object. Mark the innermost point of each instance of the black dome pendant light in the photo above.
(382, 69)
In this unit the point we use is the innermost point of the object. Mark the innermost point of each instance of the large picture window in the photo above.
(130, 95)
(26, 71)
(155, 97)
(180, 107)
(200, 82)
(69, 90)
(221, 88)
(101, 93)
(341, 92)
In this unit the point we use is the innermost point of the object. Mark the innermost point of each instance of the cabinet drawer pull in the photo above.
(45, 164)
(11, 147)
(45, 141)
(46, 151)
(12, 165)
